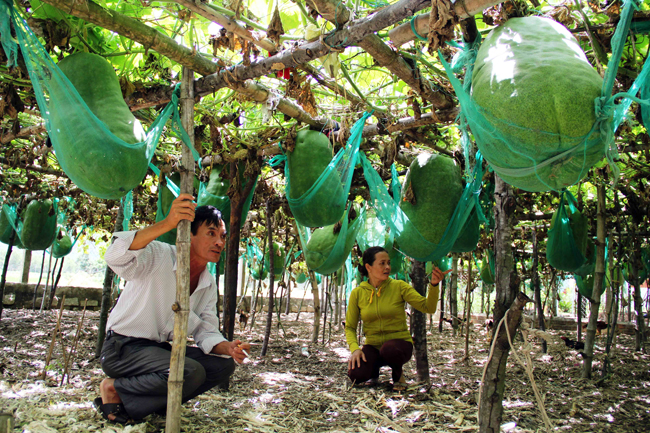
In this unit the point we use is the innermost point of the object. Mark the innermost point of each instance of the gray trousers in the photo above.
(140, 368)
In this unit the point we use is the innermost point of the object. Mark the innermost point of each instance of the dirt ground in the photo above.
(287, 391)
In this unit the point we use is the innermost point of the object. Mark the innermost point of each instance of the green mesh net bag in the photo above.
(540, 114)
(168, 190)
(642, 272)
(566, 247)
(317, 185)
(10, 223)
(97, 141)
(65, 239)
(215, 193)
(589, 265)
(408, 234)
(301, 278)
(327, 248)
(374, 233)
(487, 268)
(585, 277)
(255, 261)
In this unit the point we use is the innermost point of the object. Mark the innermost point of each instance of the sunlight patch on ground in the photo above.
(342, 353)
(273, 378)
(396, 405)
(31, 390)
(517, 403)
(68, 406)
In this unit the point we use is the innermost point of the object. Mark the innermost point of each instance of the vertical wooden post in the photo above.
(579, 324)
(317, 309)
(599, 276)
(106, 291)
(468, 304)
(27, 262)
(269, 316)
(182, 305)
(237, 200)
(538, 292)
(316, 299)
(634, 268)
(453, 293)
(442, 304)
(419, 324)
(507, 285)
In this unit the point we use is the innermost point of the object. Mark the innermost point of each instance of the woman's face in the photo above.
(379, 271)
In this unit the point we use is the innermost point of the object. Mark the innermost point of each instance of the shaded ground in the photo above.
(287, 391)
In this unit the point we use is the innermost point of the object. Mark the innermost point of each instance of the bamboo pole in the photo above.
(419, 324)
(182, 305)
(599, 275)
(468, 305)
(453, 293)
(442, 304)
(56, 283)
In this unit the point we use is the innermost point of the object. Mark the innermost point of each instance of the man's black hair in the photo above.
(209, 215)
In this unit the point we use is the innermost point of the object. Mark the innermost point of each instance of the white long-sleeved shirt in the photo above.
(144, 309)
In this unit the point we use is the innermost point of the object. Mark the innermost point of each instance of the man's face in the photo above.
(209, 242)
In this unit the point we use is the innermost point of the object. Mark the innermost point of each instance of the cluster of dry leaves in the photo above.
(289, 392)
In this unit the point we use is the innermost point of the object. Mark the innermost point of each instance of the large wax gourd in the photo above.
(535, 87)
(310, 157)
(102, 168)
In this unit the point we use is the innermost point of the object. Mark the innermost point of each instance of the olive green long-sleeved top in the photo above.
(382, 311)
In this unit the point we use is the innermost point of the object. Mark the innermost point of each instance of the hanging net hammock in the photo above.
(566, 247)
(96, 158)
(320, 202)
(411, 242)
(533, 142)
(327, 248)
(36, 227)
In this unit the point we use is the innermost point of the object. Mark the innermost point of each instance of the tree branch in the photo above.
(332, 85)
(153, 39)
(23, 133)
(28, 167)
(464, 9)
(227, 23)
(131, 28)
(352, 34)
(335, 12)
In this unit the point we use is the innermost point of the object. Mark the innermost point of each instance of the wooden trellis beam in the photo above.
(351, 34)
(463, 8)
(227, 23)
(336, 12)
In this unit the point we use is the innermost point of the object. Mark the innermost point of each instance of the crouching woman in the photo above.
(379, 302)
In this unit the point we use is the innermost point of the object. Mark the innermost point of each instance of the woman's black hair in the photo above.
(368, 258)
(209, 215)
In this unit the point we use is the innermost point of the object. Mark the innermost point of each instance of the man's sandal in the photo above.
(117, 409)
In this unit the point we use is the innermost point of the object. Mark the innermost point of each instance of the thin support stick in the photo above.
(73, 349)
(56, 331)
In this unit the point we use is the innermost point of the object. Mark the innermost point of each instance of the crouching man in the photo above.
(136, 353)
